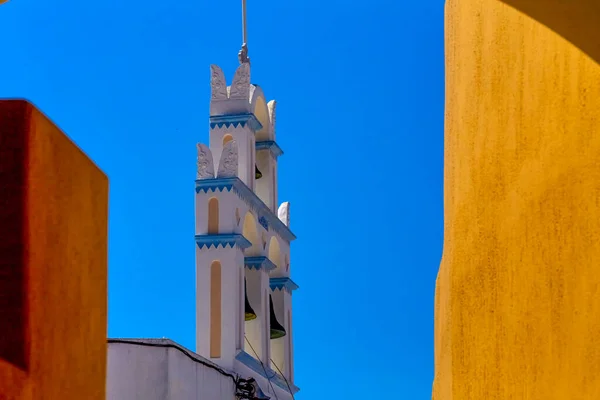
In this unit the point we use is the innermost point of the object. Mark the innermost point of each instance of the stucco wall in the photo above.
(143, 372)
(53, 262)
(517, 308)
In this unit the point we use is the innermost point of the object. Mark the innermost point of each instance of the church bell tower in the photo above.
(243, 284)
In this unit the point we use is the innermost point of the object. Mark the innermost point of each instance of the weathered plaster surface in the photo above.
(238, 223)
(159, 369)
(517, 309)
(53, 262)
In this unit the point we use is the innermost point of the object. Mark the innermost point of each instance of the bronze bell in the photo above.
(250, 314)
(277, 331)
(257, 173)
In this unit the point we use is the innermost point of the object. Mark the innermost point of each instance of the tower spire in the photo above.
(243, 53)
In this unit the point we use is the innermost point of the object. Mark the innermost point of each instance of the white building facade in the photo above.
(244, 290)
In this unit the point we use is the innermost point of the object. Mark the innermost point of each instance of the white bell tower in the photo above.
(243, 284)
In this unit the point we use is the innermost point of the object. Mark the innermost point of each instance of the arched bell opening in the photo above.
(252, 342)
(249, 313)
(257, 173)
(278, 332)
(261, 112)
(275, 256)
(276, 304)
(264, 186)
(250, 232)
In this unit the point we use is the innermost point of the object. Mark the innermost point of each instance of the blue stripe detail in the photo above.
(235, 120)
(250, 198)
(214, 186)
(264, 371)
(215, 241)
(270, 145)
(259, 262)
(283, 283)
(263, 221)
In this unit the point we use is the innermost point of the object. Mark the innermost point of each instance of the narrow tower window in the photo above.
(266, 336)
(213, 216)
(227, 138)
(215, 309)
(240, 330)
(274, 183)
(288, 356)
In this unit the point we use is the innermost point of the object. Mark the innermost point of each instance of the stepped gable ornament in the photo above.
(218, 84)
(240, 87)
(272, 106)
(205, 167)
(284, 213)
(228, 166)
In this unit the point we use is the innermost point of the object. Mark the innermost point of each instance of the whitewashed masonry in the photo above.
(243, 239)
(243, 287)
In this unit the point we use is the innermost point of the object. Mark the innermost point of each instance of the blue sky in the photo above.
(360, 88)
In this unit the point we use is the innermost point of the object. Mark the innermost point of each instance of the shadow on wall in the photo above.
(578, 21)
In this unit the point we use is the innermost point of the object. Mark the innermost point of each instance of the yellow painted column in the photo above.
(518, 291)
(215, 309)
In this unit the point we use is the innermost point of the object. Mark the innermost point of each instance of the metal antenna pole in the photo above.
(244, 32)
(243, 54)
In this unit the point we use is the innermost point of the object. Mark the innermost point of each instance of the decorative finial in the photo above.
(243, 55)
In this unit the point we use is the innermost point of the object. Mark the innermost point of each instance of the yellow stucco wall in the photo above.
(517, 297)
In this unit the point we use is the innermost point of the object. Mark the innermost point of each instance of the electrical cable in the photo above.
(174, 346)
(284, 378)
(264, 368)
(240, 384)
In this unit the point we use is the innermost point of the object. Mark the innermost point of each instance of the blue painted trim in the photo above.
(259, 262)
(252, 200)
(263, 222)
(215, 241)
(283, 283)
(235, 120)
(214, 185)
(264, 371)
(270, 145)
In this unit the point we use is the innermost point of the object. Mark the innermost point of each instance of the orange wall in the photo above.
(518, 290)
(55, 218)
